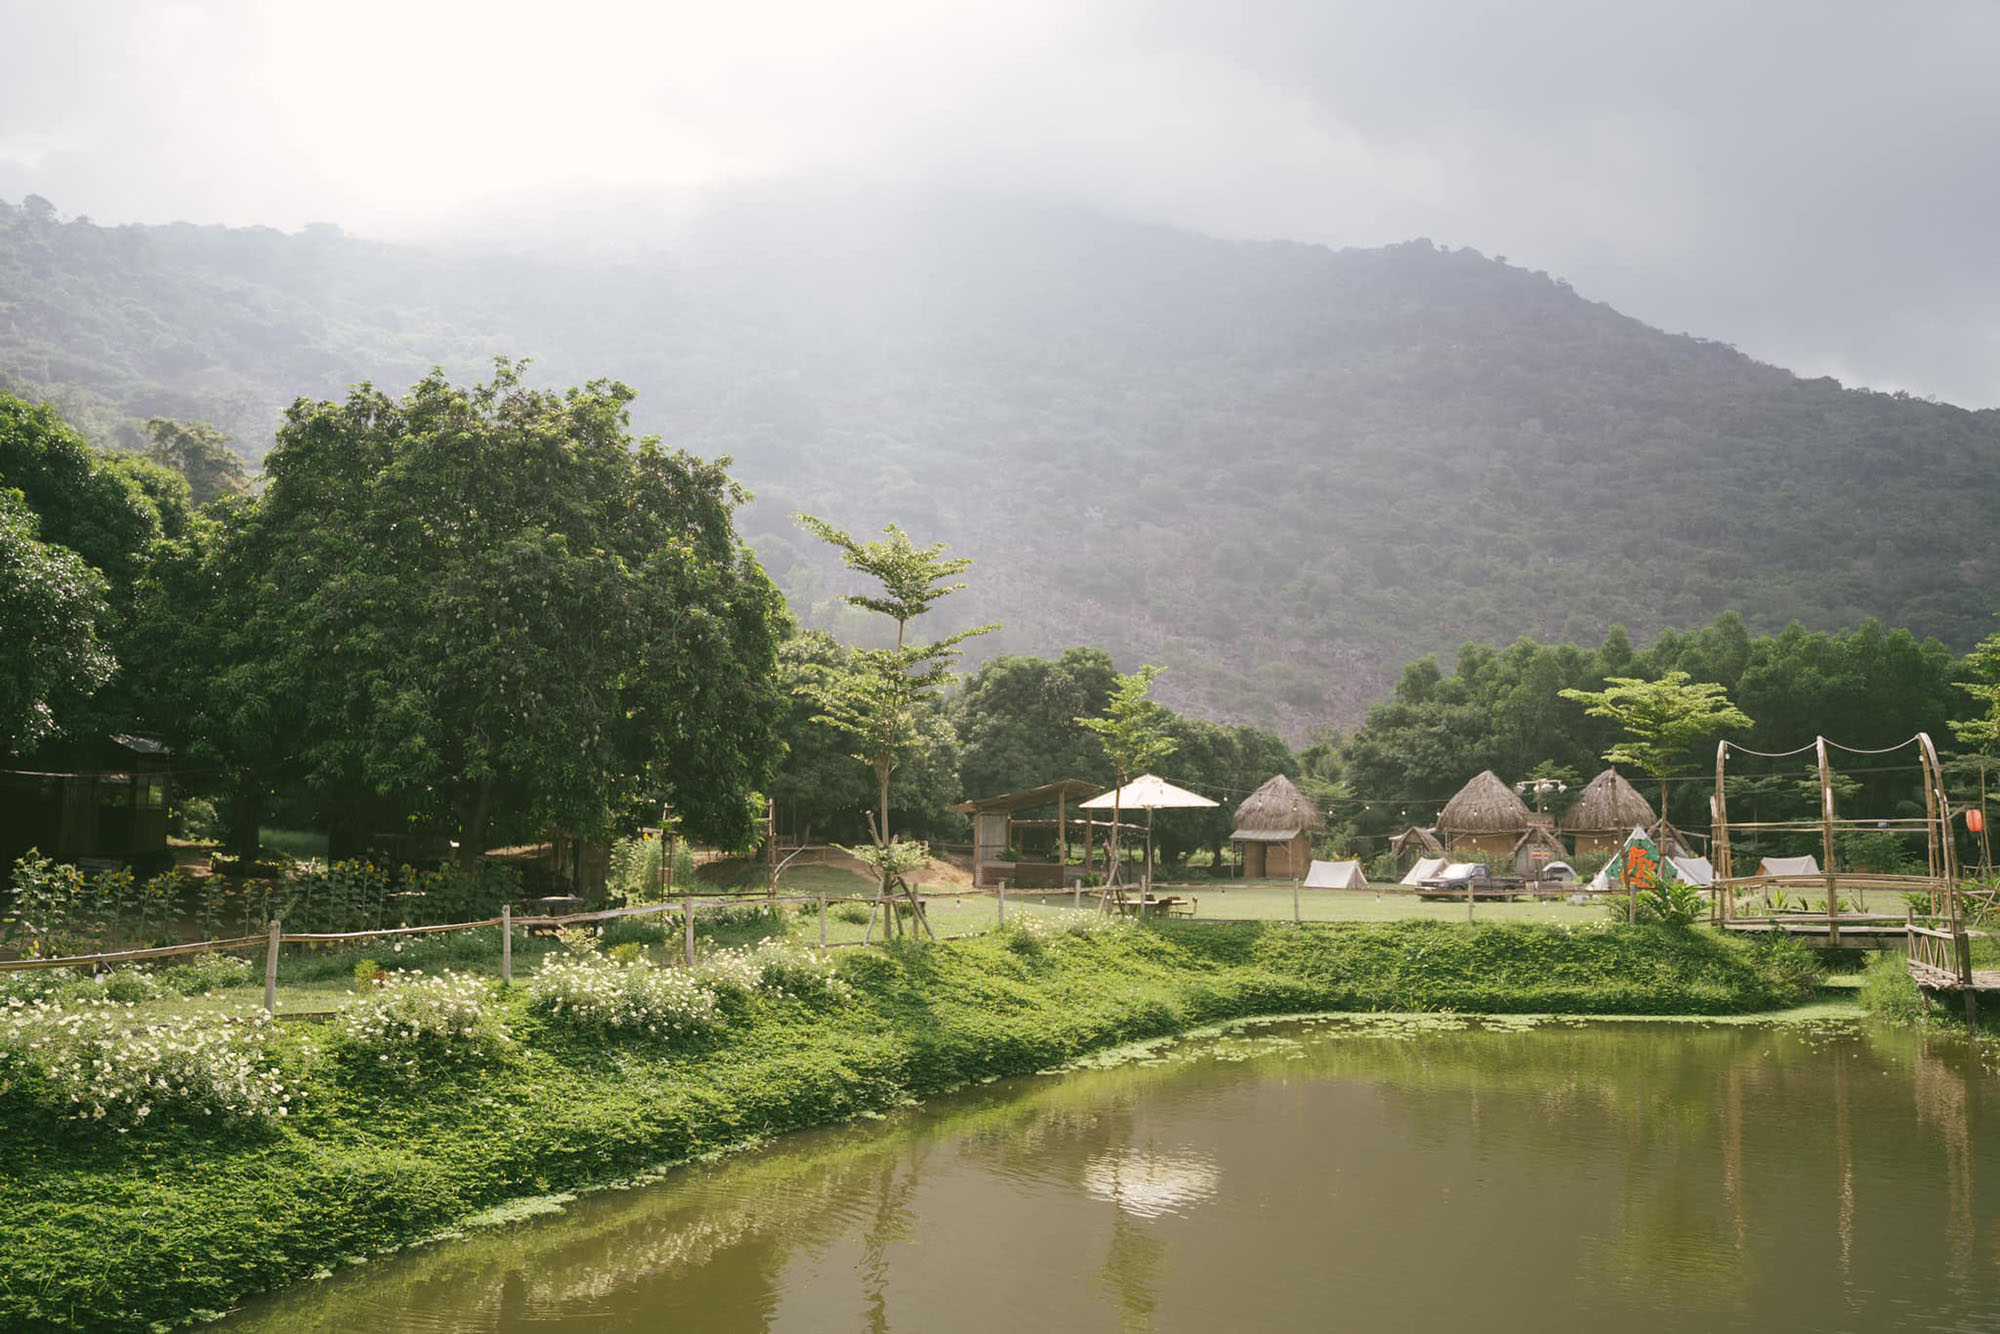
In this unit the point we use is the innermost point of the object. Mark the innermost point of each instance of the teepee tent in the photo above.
(1639, 866)
(1336, 875)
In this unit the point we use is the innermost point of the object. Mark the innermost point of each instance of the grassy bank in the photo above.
(103, 1230)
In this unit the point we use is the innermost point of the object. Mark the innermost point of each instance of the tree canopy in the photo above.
(490, 610)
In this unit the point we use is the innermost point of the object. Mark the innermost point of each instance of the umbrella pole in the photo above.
(1147, 888)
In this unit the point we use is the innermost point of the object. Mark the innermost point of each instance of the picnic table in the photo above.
(1158, 905)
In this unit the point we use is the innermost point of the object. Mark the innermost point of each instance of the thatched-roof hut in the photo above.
(1606, 812)
(1274, 824)
(1486, 816)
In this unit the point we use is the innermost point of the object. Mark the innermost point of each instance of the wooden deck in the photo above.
(1931, 978)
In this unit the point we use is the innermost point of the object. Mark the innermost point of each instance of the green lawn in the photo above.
(316, 980)
(1271, 901)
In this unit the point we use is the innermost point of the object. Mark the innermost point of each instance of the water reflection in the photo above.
(1147, 1183)
(1561, 1178)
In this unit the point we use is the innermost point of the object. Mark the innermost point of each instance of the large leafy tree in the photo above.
(1017, 726)
(484, 607)
(51, 603)
(111, 512)
(200, 453)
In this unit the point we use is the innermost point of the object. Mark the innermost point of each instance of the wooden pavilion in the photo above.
(1274, 827)
(1486, 817)
(1043, 844)
(1606, 813)
(101, 799)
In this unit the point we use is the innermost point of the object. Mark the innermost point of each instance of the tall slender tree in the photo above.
(1134, 733)
(885, 700)
(1661, 720)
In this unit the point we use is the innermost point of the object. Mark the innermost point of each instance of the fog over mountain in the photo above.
(1808, 182)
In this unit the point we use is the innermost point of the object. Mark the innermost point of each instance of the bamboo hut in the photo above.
(1415, 845)
(1538, 847)
(1608, 810)
(1274, 825)
(1485, 817)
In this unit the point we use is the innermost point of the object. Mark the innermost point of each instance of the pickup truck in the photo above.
(1460, 878)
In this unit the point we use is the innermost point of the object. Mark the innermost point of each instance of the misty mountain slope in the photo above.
(1278, 469)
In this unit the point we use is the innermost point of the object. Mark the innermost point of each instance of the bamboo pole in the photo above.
(1826, 842)
(687, 930)
(271, 967)
(507, 944)
(822, 920)
(1003, 902)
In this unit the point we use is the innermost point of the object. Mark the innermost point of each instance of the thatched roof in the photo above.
(1609, 803)
(1278, 807)
(1484, 806)
(1425, 840)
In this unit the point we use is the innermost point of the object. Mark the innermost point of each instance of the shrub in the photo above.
(88, 1061)
(1889, 992)
(852, 913)
(590, 993)
(776, 968)
(631, 951)
(205, 973)
(408, 1021)
(129, 986)
(1027, 933)
(368, 973)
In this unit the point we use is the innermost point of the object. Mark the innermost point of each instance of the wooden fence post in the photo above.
(687, 929)
(1295, 901)
(1003, 903)
(506, 944)
(271, 968)
(822, 921)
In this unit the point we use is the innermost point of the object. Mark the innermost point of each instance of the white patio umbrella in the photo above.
(1149, 793)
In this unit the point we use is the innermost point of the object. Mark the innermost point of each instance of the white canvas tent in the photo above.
(1336, 875)
(1697, 871)
(1425, 868)
(1807, 865)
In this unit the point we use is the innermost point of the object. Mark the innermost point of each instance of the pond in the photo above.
(1321, 1174)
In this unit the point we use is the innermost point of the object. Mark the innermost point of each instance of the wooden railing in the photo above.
(1946, 953)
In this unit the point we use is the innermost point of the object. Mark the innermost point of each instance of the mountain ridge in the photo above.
(1280, 469)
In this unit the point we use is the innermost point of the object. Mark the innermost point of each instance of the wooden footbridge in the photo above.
(1922, 914)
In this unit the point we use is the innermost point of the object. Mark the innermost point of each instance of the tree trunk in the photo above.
(246, 813)
(472, 833)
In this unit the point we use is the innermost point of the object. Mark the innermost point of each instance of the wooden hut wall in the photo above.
(1497, 845)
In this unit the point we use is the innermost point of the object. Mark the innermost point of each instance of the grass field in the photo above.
(1271, 901)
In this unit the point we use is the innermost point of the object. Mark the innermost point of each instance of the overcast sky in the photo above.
(1814, 182)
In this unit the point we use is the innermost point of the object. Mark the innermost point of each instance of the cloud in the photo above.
(1810, 181)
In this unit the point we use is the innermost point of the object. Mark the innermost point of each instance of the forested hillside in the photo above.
(1283, 471)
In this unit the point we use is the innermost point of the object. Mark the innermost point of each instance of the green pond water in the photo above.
(1315, 1175)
